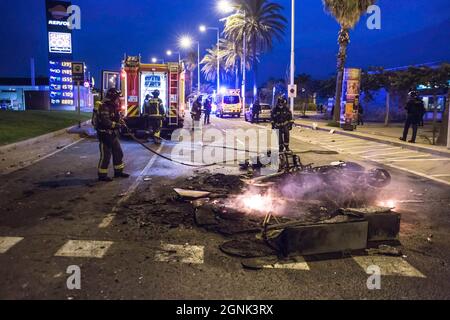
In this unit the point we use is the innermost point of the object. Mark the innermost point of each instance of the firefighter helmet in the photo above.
(282, 101)
(113, 94)
(413, 94)
(156, 93)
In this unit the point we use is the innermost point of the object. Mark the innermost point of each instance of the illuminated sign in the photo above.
(59, 53)
(61, 87)
(59, 42)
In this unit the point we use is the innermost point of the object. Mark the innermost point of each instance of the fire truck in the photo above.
(139, 80)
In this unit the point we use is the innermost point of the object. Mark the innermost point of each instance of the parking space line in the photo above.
(6, 243)
(415, 160)
(392, 153)
(389, 266)
(84, 249)
(410, 157)
(300, 264)
(180, 254)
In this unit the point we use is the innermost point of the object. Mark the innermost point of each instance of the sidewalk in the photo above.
(379, 133)
(20, 155)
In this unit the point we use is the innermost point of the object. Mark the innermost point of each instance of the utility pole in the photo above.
(292, 53)
(198, 66)
(244, 67)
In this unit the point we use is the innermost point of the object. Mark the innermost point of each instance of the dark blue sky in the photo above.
(412, 32)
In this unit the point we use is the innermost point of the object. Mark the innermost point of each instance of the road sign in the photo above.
(292, 91)
(78, 71)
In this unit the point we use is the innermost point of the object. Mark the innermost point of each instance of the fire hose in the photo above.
(134, 138)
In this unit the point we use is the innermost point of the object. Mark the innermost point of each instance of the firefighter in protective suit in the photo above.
(108, 123)
(282, 121)
(155, 113)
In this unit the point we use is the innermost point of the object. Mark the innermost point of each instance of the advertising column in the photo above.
(60, 56)
(350, 94)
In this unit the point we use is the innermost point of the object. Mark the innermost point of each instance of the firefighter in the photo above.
(282, 121)
(415, 109)
(156, 115)
(108, 123)
(196, 112)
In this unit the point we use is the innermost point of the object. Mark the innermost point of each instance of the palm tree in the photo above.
(261, 21)
(191, 64)
(209, 63)
(232, 55)
(347, 13)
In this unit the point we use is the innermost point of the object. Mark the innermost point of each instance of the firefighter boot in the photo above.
(104, 179)
(121, 174)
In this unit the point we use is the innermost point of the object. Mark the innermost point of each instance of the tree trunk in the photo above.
(192, 81)
(434, 118)
(237, 76)
(443, 133)
(255, 72)
(388, 109)
(343, 44)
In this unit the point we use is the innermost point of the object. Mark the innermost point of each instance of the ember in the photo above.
(260, 203)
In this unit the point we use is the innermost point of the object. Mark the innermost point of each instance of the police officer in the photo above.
(196, 112)
(256, 110)
(415, 110)
(156, 115)
(108, 124)
(282, 121)
(208, 109)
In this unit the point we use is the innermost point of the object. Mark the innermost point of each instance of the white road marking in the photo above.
(389, 266)
(84, 249)
(391, 153)
(180, 253)
(415, 160)
(418, 174)
(406, 158)
(299, 264)
(440, 175)
(7, 243)
(382, 150)
(372, 150)
(106, 222)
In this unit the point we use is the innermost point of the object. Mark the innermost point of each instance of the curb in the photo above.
(39, 139)
(393, 143)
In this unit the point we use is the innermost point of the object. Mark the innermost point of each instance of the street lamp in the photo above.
(226, 7)
(155, 60)
(170, 53)
(186, 43)
(292, 52)
(203, 29)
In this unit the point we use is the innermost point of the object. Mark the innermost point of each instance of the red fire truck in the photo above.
(140, 79)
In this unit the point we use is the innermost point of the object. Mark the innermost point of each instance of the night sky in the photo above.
(412, 32)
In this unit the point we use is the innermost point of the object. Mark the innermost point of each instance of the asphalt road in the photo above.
(55, 215)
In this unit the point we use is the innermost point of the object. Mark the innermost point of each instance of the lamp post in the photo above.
(187, 42)
(292, 52)
(170, 53)
(226, 6)
(203, 29)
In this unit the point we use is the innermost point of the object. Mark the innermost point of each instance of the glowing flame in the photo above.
(258, 202)
(255, 202)
(388, 203)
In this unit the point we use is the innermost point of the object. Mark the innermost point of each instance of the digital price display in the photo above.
(61, 85)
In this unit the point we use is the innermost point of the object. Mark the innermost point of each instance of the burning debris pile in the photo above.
(263, 215)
